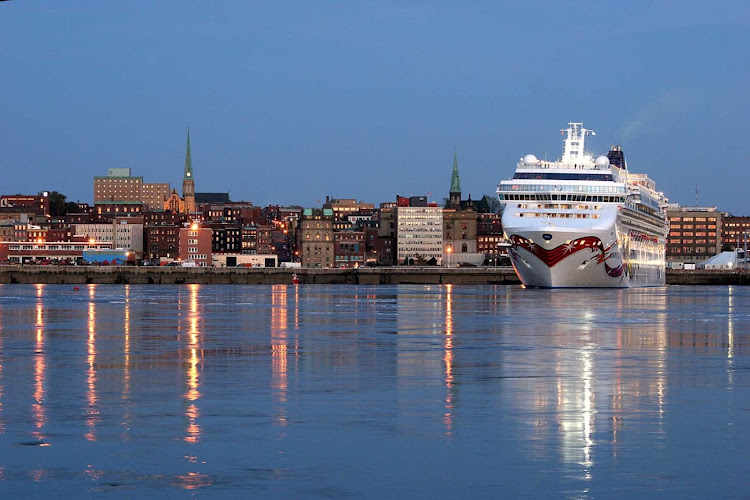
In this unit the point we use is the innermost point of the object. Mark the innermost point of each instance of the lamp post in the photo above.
(449, 250)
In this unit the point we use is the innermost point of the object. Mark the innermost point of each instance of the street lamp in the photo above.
(449, 250)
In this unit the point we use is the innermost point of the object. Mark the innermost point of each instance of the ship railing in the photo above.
(561, 165)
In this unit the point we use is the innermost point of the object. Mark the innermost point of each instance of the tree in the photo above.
(494, 203)
(59, 206)
(70, 207)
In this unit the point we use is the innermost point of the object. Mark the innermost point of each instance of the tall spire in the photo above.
(455, 181)
(188, 162)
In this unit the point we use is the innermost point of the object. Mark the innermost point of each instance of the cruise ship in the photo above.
(583, 221)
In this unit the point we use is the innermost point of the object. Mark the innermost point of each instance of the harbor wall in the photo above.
(81, 275)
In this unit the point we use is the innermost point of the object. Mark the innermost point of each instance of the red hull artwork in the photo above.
(553, 256)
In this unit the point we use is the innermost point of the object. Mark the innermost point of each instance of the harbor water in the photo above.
(283, 391)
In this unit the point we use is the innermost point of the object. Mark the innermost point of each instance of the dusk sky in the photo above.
(288, 102)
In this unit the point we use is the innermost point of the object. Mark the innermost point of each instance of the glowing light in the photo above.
(279, 355)
(193, 431)
(194, 226)
(92, 411)
(126, 346)
(38, 411)
(448, 360)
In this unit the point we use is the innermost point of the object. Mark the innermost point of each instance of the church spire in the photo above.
(455, 181)
(188, 162)
(454, 200)
(188, 181)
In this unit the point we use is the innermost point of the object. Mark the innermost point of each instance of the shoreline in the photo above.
(82, 275)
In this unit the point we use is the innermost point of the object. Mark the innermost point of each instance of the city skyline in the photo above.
(288, 106)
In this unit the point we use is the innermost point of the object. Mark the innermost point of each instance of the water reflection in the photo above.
(38, 413)
(448, 360)
(588, 376)
(575, 392)
(92, 410)
(2, 362)
(279, 355)
(193, 432)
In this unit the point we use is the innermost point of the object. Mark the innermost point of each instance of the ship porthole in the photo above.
(547, 236)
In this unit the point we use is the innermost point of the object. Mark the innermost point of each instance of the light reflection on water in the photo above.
(355, 391)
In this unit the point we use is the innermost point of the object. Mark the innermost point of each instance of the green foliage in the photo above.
(59, 206)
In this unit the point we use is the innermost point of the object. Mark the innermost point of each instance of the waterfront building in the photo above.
(106, 211)
(161, 241)
(734, 231)
(490, 239)
(316, 237)
(257, 239)
(211, 198)
(349, 249)
(119, 186)
(75, 218)
(40, 203)
(227, 238)
(154, 194)
(384, 246)
(245, 260)
(17, 214)
(7, 231)
(48, 251)
(419, 231)
(161, 218)
(460, 225)
(195, 244)
(694, 234)
(123, 232)
(36, 233)
(345, 206)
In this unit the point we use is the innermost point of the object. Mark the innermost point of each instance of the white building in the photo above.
(244, 260)
(122, 232)
(419, 232)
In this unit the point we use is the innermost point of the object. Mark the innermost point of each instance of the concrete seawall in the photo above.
(81, 275)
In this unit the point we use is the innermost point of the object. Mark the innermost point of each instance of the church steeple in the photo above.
(455, 192)
(188, 181)
(188, 162)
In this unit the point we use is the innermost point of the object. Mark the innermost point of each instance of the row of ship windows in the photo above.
(561, 197)
(557, 206)
(557, 216)
(562, 188)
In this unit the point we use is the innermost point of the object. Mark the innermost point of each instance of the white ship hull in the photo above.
(577, 257)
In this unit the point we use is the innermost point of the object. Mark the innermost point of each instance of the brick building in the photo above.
(349, 249)
(733, 231)
(694, 234)
(195, 245)
(161, 242)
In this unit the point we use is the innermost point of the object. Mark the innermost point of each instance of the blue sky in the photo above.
(288, 102)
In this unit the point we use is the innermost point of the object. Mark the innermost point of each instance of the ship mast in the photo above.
(573, 149)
